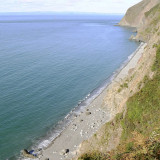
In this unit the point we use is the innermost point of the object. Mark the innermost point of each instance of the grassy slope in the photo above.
(153, 18)
(140, 138)
(141, 125)
(132, 15)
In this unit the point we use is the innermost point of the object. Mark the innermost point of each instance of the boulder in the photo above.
(132, 37)
(27, 154)
(88, 113)
(64, 151)
(67, 151)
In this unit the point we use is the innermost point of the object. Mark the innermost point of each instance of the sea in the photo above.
(51, 67)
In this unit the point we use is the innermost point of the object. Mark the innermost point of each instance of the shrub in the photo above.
(93, 156)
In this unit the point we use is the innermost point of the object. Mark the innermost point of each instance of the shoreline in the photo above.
(88, 122)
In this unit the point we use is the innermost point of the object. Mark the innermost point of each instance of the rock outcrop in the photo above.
(26, 154)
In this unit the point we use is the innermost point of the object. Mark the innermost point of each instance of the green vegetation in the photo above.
(142, 119)
(132, 77)
(153, 17)
(155, 45)
(140, 148)
(142, 83)
(156, 65)
(153, 10)
(122, 86)
(93, 156)
(144, 107)
(108, 129)
(140, 138)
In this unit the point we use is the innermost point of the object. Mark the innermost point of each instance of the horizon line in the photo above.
(52, 12)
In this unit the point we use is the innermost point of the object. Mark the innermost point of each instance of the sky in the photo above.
(89, 6)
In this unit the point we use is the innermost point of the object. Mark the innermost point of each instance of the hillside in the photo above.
(134, 131)
(135, 16)
(150, 30)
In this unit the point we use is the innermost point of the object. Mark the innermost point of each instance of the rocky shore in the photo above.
(83, 127)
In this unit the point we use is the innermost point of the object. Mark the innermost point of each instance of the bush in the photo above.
(93, 156)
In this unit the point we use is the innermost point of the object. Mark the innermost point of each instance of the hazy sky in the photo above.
(97, 6)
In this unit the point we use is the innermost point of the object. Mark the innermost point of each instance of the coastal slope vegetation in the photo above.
(135, 131)
(140, 138)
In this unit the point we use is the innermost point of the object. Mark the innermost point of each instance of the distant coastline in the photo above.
(58, 13)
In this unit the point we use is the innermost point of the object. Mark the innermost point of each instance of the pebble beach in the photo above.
(91, 119)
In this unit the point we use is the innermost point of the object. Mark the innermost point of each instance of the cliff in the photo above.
(135, 16)
(150, 29)
(134, 131)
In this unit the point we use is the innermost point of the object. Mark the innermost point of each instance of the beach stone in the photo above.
(81, 120)
(87, 109)
(64, 151)
(88, 113)
(47, 159)
(92, 126)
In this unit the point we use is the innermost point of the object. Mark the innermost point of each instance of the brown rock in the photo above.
(27, 154)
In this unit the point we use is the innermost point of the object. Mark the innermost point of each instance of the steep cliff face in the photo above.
(134, 133)
(150, 30)
(135, 16)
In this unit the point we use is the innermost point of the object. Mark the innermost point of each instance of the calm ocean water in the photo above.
(48, 63)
